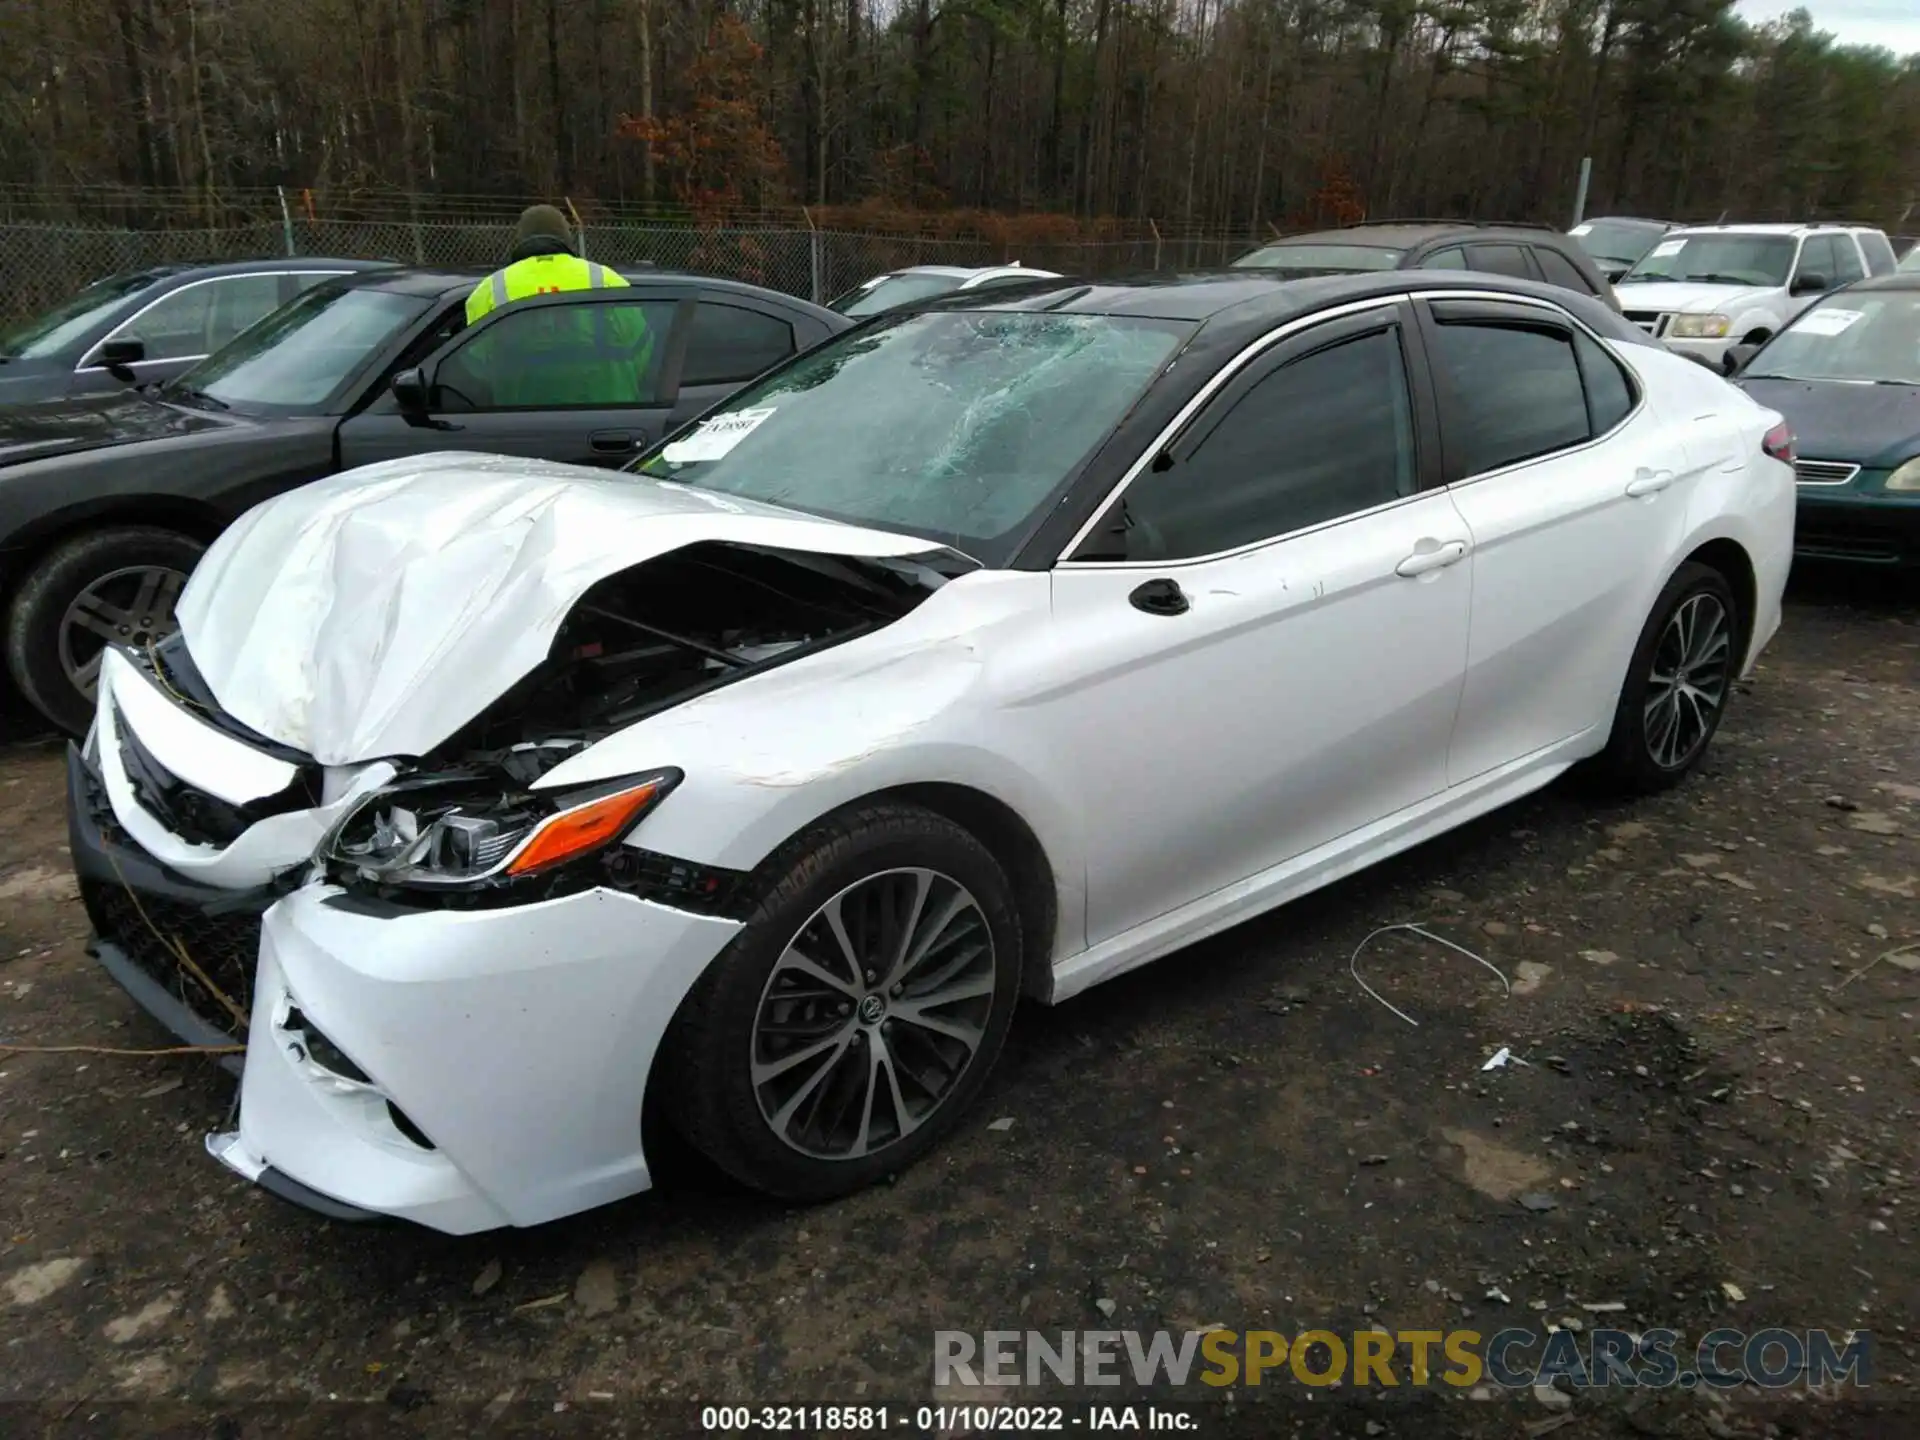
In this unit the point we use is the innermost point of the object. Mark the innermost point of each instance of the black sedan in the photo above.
(106, 504)
(1846, 374)
(146, 326)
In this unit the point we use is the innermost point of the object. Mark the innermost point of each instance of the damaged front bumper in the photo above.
(176, 916)
(137, 906)
(463, 1069)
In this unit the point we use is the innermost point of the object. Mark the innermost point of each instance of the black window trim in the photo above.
(1524, 310)
(682, 299)
(1255, 361)
(738, 301)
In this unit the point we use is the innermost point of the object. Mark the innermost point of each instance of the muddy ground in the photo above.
(1718, 1107)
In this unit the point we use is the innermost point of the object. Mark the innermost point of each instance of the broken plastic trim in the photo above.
(198, 816)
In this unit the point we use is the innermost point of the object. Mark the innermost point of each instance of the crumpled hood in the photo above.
(1692, 299)
(373, 614)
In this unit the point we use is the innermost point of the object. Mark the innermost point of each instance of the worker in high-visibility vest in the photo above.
(590, 355)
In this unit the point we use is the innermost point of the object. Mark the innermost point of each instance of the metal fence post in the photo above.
(817, 258)
(1156, 241)
(1580, 200)
(286, 219)
(579, 226)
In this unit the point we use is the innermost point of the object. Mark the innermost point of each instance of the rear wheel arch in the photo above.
(1730, 558)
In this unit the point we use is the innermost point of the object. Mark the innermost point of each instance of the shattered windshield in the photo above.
(959, 425)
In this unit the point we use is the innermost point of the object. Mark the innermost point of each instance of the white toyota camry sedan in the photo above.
(992, 649)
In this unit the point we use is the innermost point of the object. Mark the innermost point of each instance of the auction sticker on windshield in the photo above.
(716, 437)
(1668, 247)
(1829, 321)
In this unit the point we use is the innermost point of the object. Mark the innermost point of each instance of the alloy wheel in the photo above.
(1688, 682)
(130, 606)
(875, 1009)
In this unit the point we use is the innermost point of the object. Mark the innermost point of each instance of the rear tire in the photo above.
(106, 587)
(853, 1021)
(1677, 684)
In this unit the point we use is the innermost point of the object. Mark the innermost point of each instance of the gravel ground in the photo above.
(1716, 1127)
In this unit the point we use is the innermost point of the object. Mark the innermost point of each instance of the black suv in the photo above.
(1525, 252)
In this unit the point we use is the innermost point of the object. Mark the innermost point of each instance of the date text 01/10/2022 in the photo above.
(944, 1419)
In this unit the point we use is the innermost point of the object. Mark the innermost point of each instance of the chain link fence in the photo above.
(44, 262)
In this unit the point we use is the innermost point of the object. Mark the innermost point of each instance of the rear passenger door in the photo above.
(1573, 490)
(731, 338)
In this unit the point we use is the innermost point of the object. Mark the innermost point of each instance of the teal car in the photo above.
(1846, 375)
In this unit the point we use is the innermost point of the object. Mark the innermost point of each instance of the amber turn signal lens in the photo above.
(585, 827)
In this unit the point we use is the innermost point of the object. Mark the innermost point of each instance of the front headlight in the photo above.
(1905, 478)
(474, 830)
(1699, 327)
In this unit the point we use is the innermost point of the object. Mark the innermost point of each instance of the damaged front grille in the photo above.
(193, 814)
(147, 929)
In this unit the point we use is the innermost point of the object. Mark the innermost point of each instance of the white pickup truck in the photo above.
(1705, 287)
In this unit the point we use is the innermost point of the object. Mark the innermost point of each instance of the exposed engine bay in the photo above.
(675, 627)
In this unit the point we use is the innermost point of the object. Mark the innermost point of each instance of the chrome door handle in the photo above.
(1649, 482)
(1438, 558)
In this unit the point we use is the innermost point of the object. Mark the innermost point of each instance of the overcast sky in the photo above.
(1892, 23)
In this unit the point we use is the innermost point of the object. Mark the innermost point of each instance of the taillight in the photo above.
(1778, 443)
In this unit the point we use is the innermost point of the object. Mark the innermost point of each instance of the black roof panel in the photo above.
(1253, 300)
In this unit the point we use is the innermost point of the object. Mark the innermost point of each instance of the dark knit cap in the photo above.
(542, 230)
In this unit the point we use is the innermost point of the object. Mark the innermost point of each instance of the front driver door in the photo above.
(1261, 641)
(589, 377)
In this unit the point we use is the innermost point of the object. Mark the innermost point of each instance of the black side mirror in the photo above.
(409, 389)
(120, 356)
(1735, 359)
(1809, 283)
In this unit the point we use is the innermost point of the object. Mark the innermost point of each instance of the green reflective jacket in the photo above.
(585, 355)
(538, 275)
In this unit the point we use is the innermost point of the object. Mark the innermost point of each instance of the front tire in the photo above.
(853, 1021)
(1677, 684)
(103, 588)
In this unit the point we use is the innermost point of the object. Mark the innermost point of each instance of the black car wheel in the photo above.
(110, 587)
(853, 1021)
(1677, 684)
